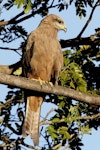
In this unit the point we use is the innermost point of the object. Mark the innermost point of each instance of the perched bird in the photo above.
(42, 60)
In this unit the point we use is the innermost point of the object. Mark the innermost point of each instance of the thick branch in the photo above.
(3, 23)
(46, 88)
(82, 41)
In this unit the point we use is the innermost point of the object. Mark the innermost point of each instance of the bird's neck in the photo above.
(50, 32)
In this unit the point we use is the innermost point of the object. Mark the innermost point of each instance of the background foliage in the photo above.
(72, 119)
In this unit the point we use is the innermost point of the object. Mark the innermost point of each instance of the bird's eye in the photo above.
(59, 21)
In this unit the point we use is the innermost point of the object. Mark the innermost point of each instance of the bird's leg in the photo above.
(56, 77)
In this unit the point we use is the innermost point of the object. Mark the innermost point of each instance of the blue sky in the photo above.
(74, 26)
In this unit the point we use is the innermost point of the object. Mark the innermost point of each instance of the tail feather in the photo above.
(35, 131)
(31, 122)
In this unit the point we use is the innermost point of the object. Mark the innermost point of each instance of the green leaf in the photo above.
(54, 136)
(28, 8)
(55, 120)
(66, 136)
(72, 85)
(18, 71)
(52, 132)
(19, 3)
(27, 5)
(61, 104)
(85, 129)
(64, 132)
(81, 88)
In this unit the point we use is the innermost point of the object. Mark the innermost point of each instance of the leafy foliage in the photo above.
(67, 125)
(72, 74)
(27, 5)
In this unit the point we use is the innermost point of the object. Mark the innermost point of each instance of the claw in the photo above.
(40, 80)
(50, 83)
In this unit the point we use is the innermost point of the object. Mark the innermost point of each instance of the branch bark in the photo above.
(4, 23)
(91, 40)
(80, 41)
(25, 83)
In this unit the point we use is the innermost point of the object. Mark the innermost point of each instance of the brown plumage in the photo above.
(43, 59)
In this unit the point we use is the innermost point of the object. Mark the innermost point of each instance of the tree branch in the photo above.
(12, 144)
(25, 83)
(45, 118)
(82, 41)
(91, 40)
(9, 102)
(3, 23)
(8, 48)
(89, 19)
(22, 18)
(57, 146)
(13, 49)
(91, 117)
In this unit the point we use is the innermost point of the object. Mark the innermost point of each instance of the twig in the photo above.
(91, 117)
(17, 16)
(45, 118)
(21, 141)
(94, 116)
(13, 144)
(57, 146)
(52, 3)
(8, 102)
(14, 49)
(89, 19)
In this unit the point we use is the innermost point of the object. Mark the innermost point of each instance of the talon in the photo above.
(50, 83)
(40, 80)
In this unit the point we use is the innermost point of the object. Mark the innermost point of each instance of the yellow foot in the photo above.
(50, 83)
(40, 80)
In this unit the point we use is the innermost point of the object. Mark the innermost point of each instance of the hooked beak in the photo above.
(64, 28)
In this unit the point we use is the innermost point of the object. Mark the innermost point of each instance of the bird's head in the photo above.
(56, 22)
(59, 23)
